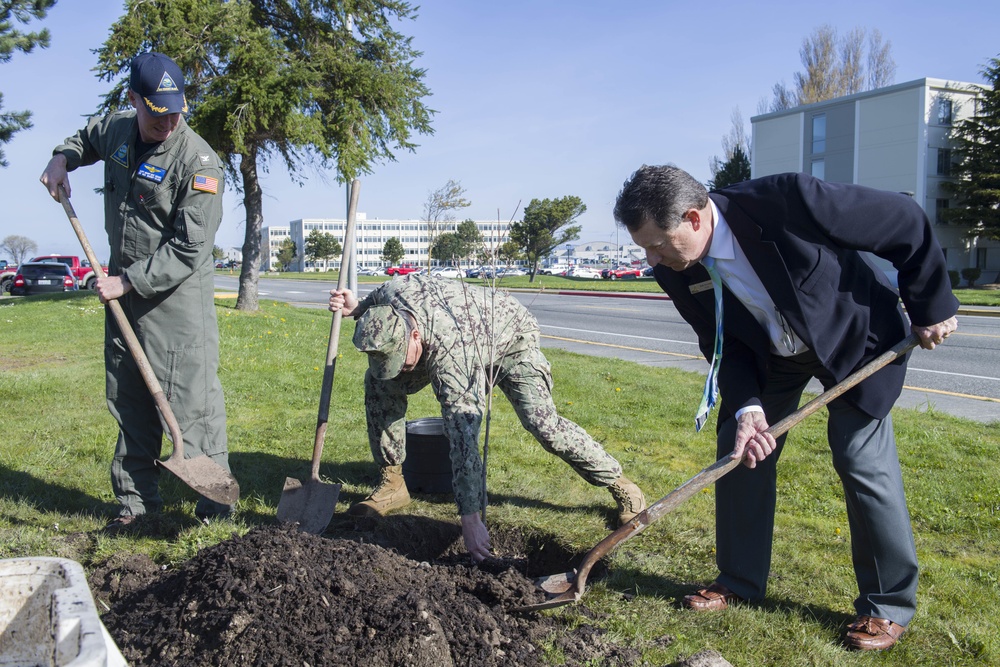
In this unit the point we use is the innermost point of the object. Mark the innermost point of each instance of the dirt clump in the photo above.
(278, 596)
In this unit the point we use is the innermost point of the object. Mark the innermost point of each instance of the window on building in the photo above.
(818, 168)
(944, 162)
(944, 111)
(819, 133)
(941, 205)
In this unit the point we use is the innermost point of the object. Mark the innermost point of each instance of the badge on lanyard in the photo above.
(151, 172)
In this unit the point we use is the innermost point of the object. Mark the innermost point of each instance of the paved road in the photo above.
(961, 378)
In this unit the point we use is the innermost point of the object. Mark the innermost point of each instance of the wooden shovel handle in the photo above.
(331, 348)
(130, 338)
(724, 465)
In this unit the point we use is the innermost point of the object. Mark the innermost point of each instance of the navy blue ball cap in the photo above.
(158, 82)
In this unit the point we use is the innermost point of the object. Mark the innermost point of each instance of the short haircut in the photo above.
(661, 193)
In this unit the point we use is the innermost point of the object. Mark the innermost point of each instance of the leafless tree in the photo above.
(835, 66)
(881, 65)
(18, 247)
(438, 207)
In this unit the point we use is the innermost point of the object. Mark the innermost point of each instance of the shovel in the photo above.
(310, 503)
(199, 472)
(569, 587)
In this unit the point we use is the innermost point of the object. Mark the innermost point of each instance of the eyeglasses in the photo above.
(787, 338)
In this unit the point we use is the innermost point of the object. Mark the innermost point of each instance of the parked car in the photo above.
(648, 271)
(43, 277)
(621, 273)
(583, 272)
(446, 272)
(554, 270)
(511, 271)
(371, 272)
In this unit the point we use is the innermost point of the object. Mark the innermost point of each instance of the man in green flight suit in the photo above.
(461, 340)
(162, 208)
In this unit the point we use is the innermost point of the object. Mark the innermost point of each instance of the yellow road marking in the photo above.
(953, 393)
(625, 347)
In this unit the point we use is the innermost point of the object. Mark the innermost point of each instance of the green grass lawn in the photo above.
(57, 440)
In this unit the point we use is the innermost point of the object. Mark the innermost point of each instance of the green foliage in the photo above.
(976, 175)
(458, 245)
(544, 227)
(322, 246)
(55, 494)
(287, 251)
(218, 253)
(393, 251)
(734, 170)
(11, 39)
(953, 277)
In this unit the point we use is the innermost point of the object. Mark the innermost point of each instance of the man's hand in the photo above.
(344, 301)
(752, 440)
(112, 287)
(477, 538)
(55, 175)
(934, 335)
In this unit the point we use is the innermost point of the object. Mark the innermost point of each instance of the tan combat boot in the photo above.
(629, 498)
(390, 494)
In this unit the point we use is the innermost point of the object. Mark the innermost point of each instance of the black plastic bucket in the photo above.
(427, 467)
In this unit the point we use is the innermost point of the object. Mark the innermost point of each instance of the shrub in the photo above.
(953, 275)
(972, 274)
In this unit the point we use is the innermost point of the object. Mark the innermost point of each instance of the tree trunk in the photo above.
(254, 206)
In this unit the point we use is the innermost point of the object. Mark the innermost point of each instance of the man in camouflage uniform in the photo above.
(460, 339)
(162, 207)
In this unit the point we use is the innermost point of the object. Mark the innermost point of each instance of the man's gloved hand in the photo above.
(477, 538)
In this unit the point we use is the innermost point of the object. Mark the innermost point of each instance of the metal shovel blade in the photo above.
(310, 504)
(206, 477)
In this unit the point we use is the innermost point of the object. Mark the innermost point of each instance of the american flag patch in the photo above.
(206, 184)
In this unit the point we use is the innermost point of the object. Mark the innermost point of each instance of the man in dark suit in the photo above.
(800, 300)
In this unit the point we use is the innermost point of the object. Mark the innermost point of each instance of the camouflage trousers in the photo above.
(526, 380)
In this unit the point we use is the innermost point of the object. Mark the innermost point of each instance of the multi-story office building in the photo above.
(371, 235)
(895, 138)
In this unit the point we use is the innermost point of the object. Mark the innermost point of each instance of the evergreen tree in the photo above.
(287, 252)
(976, 173)
(734, 170)
(321, 246)
(12, 122)
(328, 81)
(393, 251)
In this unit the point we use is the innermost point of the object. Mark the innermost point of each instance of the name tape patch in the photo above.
(151, 172)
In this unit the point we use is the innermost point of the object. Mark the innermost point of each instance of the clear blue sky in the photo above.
(535, 99)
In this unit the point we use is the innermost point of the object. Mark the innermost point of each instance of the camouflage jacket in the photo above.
(472, 335)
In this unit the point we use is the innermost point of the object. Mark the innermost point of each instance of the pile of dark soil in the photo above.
(277, 596)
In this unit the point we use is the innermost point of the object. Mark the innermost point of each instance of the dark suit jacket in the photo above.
(802, 236)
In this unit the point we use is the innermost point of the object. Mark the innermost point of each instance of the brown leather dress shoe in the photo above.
(714, 598)
(868, 633)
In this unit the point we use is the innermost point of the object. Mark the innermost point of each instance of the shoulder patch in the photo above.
(121, 155)
(151, 172)
(205, 184)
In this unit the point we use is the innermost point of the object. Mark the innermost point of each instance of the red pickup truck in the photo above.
(84, 273)
(401, 270)
(7, 273)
